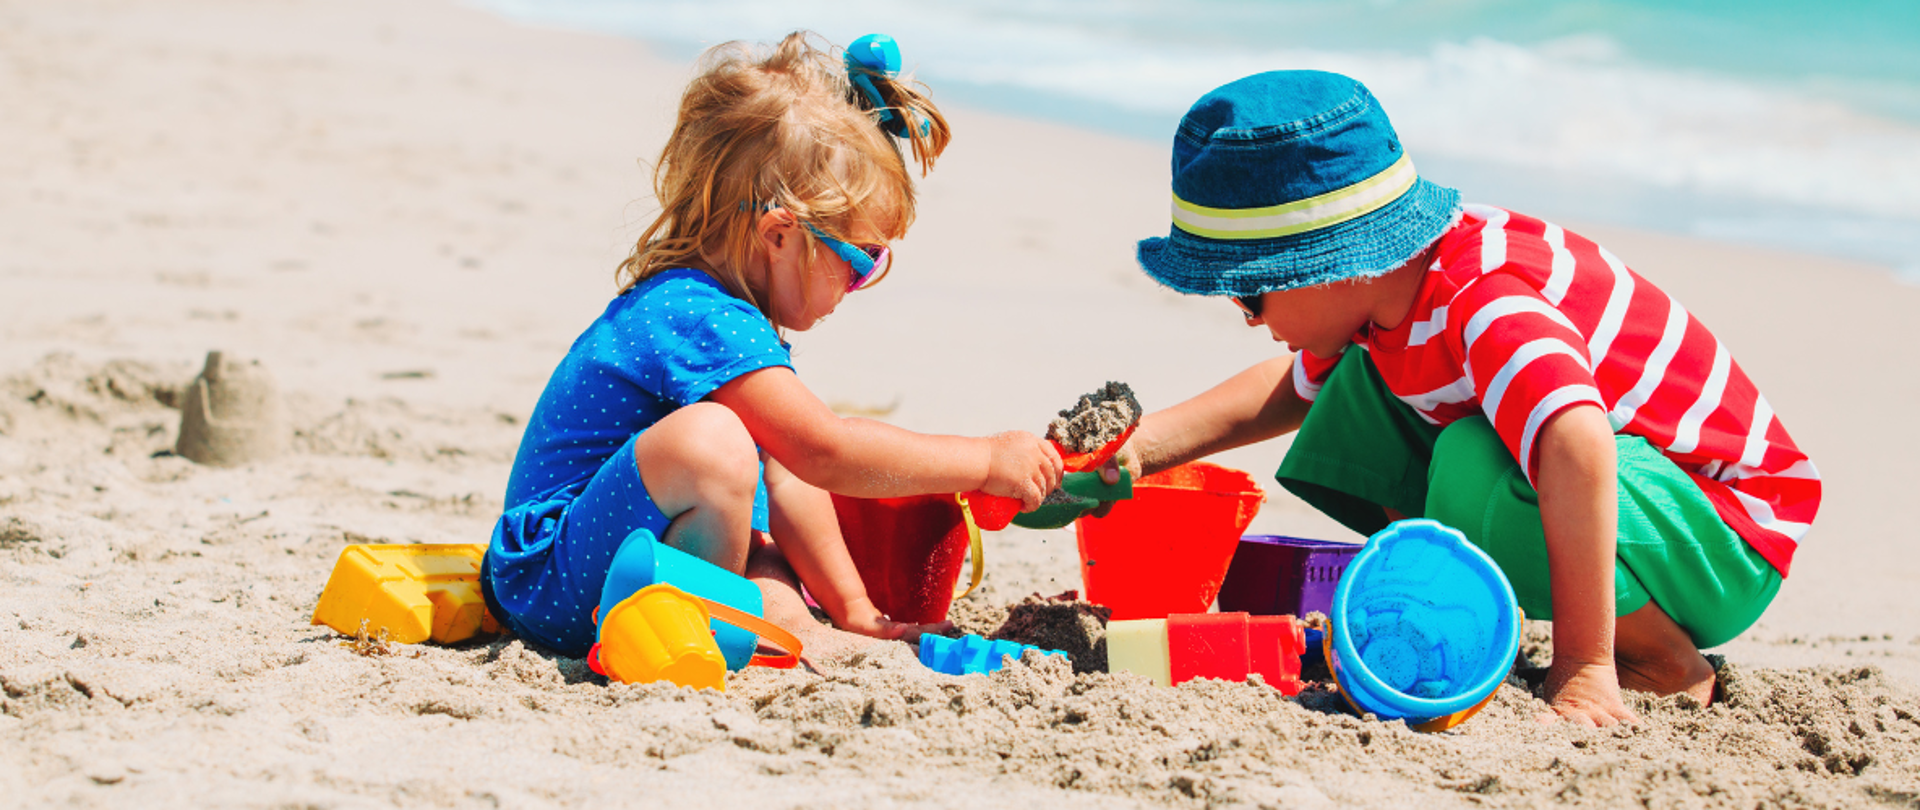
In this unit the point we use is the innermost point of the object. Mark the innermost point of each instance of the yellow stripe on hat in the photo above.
(1313, 213)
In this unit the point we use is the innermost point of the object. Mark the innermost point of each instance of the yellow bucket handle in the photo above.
(974, 549)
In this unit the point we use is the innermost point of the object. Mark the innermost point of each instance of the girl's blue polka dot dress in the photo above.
(575, 492)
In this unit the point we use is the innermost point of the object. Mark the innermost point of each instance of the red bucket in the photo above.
(1167, 550)
(909, 552)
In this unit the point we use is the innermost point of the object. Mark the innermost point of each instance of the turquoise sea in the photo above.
(1787, 124)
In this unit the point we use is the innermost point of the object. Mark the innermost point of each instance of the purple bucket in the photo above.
(1273, 575)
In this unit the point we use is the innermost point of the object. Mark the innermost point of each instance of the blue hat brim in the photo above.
(1364, 247)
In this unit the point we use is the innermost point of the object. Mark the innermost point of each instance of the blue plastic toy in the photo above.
(970, 653)
(643, 560)
(1424, 626)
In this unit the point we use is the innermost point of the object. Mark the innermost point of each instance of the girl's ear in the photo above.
(775, 229)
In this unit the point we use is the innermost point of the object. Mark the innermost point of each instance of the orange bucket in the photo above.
(909, 552)
(1167, 550)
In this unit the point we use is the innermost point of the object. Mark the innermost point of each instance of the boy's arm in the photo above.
(1580, 512)
(1252, 406)
(803, 525)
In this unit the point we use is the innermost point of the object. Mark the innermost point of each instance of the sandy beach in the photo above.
(408, 210)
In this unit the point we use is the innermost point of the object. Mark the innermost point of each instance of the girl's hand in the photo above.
(1023, 466)
(1585, 694)
(864, 618)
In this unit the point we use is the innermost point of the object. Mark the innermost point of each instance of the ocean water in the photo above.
(1768, 122)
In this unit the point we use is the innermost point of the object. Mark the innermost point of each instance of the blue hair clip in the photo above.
(878, 54)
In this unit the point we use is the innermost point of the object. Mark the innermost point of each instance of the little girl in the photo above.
(678, 410)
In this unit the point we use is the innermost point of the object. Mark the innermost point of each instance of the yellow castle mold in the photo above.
(413, 592)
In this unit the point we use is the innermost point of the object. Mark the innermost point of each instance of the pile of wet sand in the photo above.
(1098, 418)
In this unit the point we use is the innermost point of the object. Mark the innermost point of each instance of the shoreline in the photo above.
(1694, 194)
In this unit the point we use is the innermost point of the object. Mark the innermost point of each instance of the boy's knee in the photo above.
(1467, 439)
(1469, 465)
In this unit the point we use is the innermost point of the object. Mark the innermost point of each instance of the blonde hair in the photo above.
(778, 128)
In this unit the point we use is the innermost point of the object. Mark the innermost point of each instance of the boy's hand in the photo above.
(1021, 465)
(1125, 459)
(1586, 694)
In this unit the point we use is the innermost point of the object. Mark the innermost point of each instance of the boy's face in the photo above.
(1320, 319)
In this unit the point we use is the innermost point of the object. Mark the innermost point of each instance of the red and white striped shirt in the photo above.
(1519, 320)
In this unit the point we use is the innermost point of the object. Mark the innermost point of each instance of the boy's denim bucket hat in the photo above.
(1291, 179)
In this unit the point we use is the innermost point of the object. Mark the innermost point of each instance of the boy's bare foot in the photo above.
(1654, 655)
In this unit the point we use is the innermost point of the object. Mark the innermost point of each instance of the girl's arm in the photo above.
(1252, 406)
(803, 525)
(869, 459)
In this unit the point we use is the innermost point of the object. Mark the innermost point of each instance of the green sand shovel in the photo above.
(1085, 490)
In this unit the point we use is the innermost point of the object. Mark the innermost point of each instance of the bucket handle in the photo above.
(974, 549)
(766, 630)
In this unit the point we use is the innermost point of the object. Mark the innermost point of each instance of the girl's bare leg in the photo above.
(783, 605)
(701, 469)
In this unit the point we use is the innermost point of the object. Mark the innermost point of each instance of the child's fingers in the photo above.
(1032, 494)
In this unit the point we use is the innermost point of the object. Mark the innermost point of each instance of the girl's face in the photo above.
(804, 289)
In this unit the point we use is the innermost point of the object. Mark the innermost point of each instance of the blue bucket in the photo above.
(1424, 627)
(643, 561)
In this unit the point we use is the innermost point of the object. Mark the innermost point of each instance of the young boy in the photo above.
(1485, 369)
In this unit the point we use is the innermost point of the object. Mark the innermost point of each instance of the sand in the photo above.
(1098, 418)
(407, 210)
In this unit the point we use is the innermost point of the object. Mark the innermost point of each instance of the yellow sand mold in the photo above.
(413, 592)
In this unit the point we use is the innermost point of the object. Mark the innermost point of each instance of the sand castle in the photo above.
(232, 414)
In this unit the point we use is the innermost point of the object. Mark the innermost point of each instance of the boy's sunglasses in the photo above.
(864, 259)
(1249, 304)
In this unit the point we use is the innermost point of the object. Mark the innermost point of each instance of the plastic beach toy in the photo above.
(909, 551)
(1084, 491)
(971, 653)
(995, 512)
(1423, 627)
(1273, 575)
(1225, 646)
(667, 615)
(660, 634)
(1166, 551)
(411, 592)
(643, 561)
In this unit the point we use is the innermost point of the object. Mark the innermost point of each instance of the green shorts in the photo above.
(1362, 449)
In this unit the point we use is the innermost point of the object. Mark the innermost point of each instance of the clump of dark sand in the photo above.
(1066, 623)
(1098, 418)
